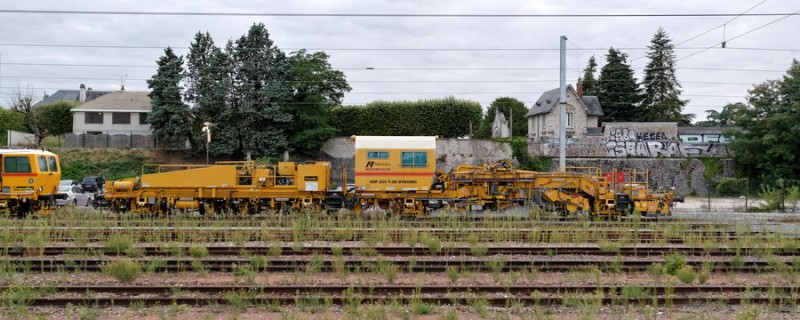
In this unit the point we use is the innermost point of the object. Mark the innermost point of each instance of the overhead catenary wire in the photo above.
(394, 68)
(738, 36)
(382, 15)
(721, 25)
(161, 47)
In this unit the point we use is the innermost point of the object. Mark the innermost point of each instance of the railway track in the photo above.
(417, 222)
(93, 234)
(435, 294)
(370, 264)
(228, 250)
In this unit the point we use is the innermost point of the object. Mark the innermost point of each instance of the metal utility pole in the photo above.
(510, 122)
(562, 106)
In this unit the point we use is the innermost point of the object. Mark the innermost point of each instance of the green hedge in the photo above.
(446, 118)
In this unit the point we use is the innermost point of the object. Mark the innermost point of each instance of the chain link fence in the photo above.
(746, 195)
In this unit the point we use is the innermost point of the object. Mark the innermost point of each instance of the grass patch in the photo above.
(124, 270)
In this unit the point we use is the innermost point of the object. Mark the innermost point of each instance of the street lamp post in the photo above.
(207, 130)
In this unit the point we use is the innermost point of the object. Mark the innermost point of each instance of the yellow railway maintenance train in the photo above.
(396, 175)
(28, 181)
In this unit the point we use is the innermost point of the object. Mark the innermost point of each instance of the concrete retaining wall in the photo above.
(686, 175)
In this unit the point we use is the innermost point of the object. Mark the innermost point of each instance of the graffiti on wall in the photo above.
(625, 134)
(628, 143)
(656, 149)
(624, 143)
(704, 138)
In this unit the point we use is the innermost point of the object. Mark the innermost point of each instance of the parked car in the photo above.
(92, 184)
(75, 196)
(69, 183)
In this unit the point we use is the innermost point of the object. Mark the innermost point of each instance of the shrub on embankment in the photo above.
(111, 163)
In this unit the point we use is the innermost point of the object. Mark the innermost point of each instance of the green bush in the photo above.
(118, 243)
(703, 276)
(686, 274)
(198, 252)
(731, 187)
(737, 262)
(793, 197)
(673, 263)
(124, 270)
(772, 195)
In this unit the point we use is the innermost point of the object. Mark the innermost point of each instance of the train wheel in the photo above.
(201, 210)
(23, 209)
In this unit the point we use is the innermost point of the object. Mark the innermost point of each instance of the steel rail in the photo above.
(368, 264)
(318, 296)
(228, 250)
(494, 301)
(353, 234)
(389, 289)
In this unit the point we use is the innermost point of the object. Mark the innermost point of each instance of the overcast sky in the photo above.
(475, 58)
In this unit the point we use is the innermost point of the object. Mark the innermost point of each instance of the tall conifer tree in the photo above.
(661, 87)
(208, 83)
(588, 81)
(170, 118)
(617, 89)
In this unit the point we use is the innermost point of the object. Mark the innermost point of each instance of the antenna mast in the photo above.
(121, 80)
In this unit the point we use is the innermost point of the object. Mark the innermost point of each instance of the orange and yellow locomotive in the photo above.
(29, 181)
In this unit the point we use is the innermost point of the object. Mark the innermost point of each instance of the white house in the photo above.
(583, 113)
(121, 112)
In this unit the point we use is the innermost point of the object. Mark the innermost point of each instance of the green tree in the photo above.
(588, 82)
(769, 144)
(617, 89)
(10, 120)
(662, 91)
(254, 121)
(170, 118)
(208, 82)
(318, 88)
(724, 118)
(507, 106)
(56, 118)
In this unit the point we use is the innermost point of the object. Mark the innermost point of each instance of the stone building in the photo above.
(500, 126)
(583, 113)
